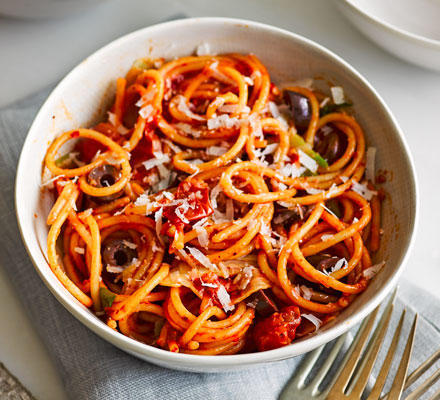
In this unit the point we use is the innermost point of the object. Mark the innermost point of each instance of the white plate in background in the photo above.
(409, 29)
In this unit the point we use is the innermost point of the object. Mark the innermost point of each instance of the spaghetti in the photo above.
(214, 213)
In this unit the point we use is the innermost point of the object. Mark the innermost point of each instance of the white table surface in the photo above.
(34, 54)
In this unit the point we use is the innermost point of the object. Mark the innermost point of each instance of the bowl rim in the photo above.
(414, 37)
(198, 361)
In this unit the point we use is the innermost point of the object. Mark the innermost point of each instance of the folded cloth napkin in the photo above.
(92, 368)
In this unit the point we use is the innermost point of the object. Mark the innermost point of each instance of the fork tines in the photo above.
(351, 378)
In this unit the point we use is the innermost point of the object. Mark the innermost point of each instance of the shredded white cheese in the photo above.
(307, 292)
(158, 220)
(216, 151)
(363, 190)
(340, 264)
(337, 94)
(201, 258)
(79, 250)
(115, 269)
(48, 182)
(314, 191)
(313, 319)
(159, 159)
(371, 272)
(249, 80)
(187, 128)
(202, 236)
(324, 238)
(130, 245)
(270, 149)
(146, 112)
(224, 299)
(292, 170)
(223, 121)
(307, 161)
(172, 146)
(183, 107)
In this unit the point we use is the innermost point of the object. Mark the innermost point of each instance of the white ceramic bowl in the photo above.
(45, 8)
(409, 29)
(81, 100)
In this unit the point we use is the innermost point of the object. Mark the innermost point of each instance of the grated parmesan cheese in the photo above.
(371, 272)
(224, 299)
(111, 118)
(187, 128)
(172, 146)
(159, 159)
(307, 161)
(270, 149)
(158, 220)
(201, 258)
(146, 111)
(130, 245)
(79, 250)
(114, 269)
(307, 292)
(337, 94)
(313, 191)
(48, 182)
(323, 103)
(313, 319)
(146, 98)
(249, 81)
(292, 170)
(340, 264)
(324, 238)
(202, 236)
(332, 191)
(223, 121)
(216, 151)
(362, 189)
(183, 107)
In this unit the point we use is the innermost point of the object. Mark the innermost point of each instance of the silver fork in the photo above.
(352, 376)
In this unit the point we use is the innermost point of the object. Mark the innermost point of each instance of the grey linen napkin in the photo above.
(93, 369)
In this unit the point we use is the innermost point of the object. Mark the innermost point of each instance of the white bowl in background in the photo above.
(84, 94)
(409, 29)
(45, 8)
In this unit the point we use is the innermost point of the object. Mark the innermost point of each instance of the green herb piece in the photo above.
(298, 142)
(331, 108)
(158, 327)
(142, 63)
(107, 297)
(59, 161)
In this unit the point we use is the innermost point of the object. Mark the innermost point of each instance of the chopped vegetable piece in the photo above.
(59, 161)
(331, 108)
(298, 142)
(107, 297)
(158, 327)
